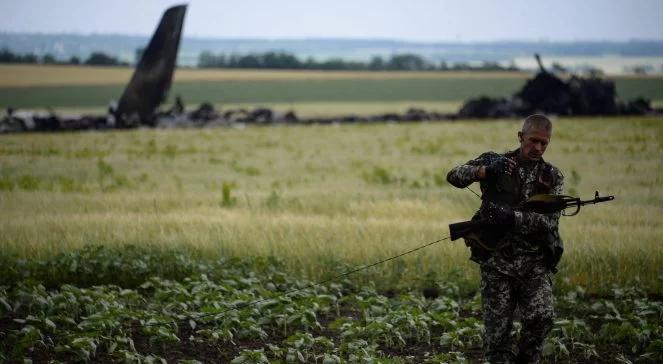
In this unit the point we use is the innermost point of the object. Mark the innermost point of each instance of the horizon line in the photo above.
(359, 39)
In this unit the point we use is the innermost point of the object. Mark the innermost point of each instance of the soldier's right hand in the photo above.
(499, 215)
(499, 166)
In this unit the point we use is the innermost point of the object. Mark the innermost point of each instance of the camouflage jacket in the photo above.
(533, 244)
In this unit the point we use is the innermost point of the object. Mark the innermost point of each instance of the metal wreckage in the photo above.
(546, 93)
(152, 78)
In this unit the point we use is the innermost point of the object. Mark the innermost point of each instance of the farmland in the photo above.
(315, 201)
(320, 194)
(307, 92)
(156, 244)
(136, 305)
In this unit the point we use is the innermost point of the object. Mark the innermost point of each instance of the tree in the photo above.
(640, 70)
(48, 59)
(101, 59)
(249, 61)
(407, 62)
(207, 59)
(6, 56)
(377, 64)
(280, 60)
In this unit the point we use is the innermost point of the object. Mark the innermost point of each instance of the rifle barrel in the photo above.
(597, 200)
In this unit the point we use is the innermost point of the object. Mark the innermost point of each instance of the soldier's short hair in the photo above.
(536, 121)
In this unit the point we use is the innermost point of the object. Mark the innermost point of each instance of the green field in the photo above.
(92, 88)
(133, 304)
(155, 244)
(298, 91)
(137, 245)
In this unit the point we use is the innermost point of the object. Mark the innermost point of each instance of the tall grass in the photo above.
(323, 197)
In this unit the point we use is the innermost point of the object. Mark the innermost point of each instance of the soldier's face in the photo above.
(533, 144)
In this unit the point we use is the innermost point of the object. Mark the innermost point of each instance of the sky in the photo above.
(411, 20)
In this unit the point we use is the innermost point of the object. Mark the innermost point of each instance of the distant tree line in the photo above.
(96, 58)
(282, 60)
(271, 60)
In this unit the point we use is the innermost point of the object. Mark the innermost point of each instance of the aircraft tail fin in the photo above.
(153, 75)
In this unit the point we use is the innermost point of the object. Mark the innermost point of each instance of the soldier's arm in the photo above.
(529, 222)
(474, 170)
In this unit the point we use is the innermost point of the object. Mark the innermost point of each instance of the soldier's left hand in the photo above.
(500, 166)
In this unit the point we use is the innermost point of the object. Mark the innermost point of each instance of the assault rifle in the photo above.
(543, 204)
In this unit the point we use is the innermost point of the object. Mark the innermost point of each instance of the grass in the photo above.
(281, 91)
(323, 197)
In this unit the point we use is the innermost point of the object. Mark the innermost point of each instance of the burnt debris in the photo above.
(547, 93)
(148, 88)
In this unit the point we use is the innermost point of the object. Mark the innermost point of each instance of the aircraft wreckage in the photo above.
(152, 78)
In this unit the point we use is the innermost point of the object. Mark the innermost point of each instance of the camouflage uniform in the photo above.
(517, 273)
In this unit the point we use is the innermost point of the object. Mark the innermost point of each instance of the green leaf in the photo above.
(49, 323)
(5, 304)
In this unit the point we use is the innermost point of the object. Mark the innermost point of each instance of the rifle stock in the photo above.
(461, 229)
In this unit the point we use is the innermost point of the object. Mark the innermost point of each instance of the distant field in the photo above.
(289, 91)
(323, 196)
(93, 87)
(315, 109)
(41, 75)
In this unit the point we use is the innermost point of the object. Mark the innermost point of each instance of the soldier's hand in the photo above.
(499, 215)
(499, 166)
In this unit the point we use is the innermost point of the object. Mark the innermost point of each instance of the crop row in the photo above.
(135, 305)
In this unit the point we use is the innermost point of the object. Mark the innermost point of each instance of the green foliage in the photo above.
(6, 183)
(281, 60)
(69, 184)
(251, 357)
(102, 59)
(105, 169)
(7, 56)
(273, 199)
(227, 200)
(247, 170)
(131, 304)
(28, 182)
(428, 147)
(108, 179)
(170, 151)
(382, 175)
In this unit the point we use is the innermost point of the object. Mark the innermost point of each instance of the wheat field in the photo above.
(326, 197)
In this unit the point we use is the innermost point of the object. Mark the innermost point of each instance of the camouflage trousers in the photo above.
(500, 296)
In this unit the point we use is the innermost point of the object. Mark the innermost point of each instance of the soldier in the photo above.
(525, 247)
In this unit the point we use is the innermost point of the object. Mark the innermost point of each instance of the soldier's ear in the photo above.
(520, 136)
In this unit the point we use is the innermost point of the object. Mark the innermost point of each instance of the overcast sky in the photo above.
(416, 20)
